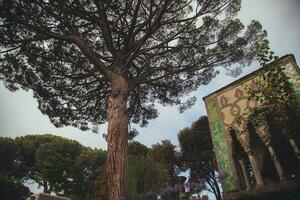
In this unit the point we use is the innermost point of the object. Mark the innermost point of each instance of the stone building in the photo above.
(239, 156)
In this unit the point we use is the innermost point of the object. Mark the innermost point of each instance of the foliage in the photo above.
(264, 53)
(137, 149)
(273, 91)
(153, 171)
(166, 154)
(47, 160)
(57, 164)
(68, 51)
(198, 155)
(12, 190)
(145, 177)
(287, 195)
(67, 168)
(10, 175)
(150, 170)
(8, 154)
(27, 147)
(91, 181)
(195, 142)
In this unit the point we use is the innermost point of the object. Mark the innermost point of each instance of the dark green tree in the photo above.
(198, 155)
(91, 61)
(10, 174)
(166, 154)
(55, 163)
(90, 175)
(27, 147)
(12, 190)
(273, 91)
(145, 177)
(8, 156)
(137, 149)
(46, 160)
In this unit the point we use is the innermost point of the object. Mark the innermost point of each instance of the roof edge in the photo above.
(279, 60)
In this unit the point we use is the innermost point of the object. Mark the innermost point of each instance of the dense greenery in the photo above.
(273, 91)
(54, 163)
(278, 110)
(12, 190)
(166, 154)
(91, 183)
(145, 178)
(198, 155)
(67, 168)
(8, 153)
(153, 171)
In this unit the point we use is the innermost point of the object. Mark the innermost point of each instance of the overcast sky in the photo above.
(19, 114)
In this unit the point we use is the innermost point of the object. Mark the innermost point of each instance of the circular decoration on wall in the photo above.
(251, 104)
(235, 110)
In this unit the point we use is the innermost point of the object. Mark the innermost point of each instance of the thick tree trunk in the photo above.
(117, 138)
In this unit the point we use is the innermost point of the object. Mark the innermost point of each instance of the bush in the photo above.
(10, 190)
(282, 191)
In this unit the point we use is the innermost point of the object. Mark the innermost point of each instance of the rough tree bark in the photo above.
(117, 137)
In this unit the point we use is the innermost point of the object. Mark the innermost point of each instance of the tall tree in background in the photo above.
(137, 149)
(27, 160)
(8, 155)
(90, 175)
(12, 190)
(145, 177)
(92, 61)
(198, 155)
(10, 176)
(57, 164)
(48, 161)
(166, 154)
